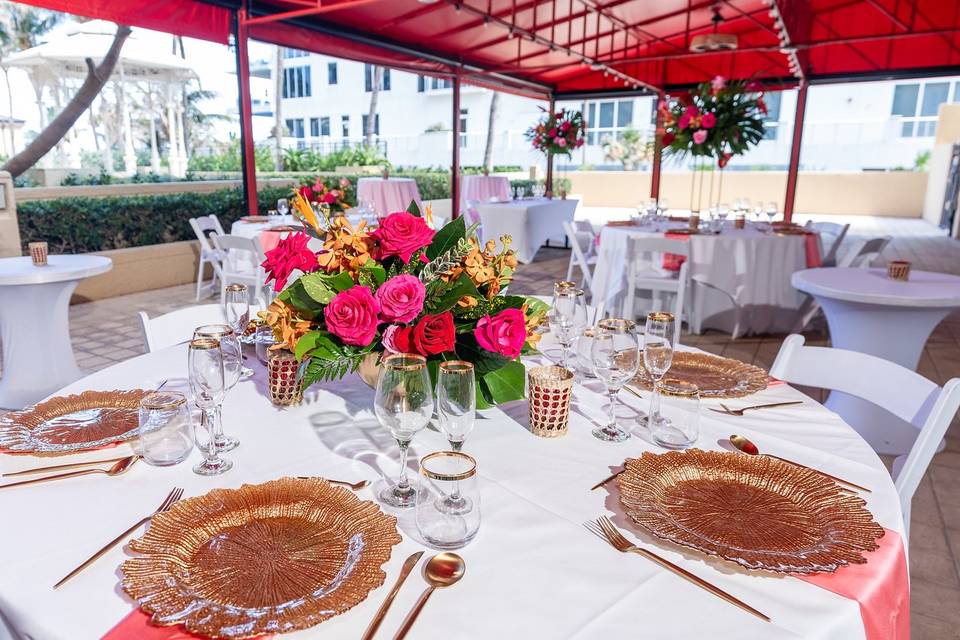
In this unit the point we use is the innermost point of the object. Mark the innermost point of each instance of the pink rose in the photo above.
(552, 133)
(335, 193)
(718, 83)
(401, 298)
(290, 254)
(684, 121)
(352, 316)
(344, 183)
(402, 234)
(708, 120)
(699, 136)
(561, 142)
(329, 198)
(397, 339)
(503, 333)
(692, 111)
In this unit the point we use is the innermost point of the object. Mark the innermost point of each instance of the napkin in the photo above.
(136, 624)
(673, 261)
(813, 251)
(881, 586)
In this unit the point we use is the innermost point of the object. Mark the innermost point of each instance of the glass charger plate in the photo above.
(86, 420)
(756, 511)
(268, 558)
(714, 376)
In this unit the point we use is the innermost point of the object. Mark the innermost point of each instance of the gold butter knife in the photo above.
(408, 566)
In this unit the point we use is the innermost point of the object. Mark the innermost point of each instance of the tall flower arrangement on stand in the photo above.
(400, 287)
(557, 133)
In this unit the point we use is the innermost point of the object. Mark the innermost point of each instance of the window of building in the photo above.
(917, 105)
(331, 73)
(424, 83)
(608, 119)
(296, 82)
(421, 84)
(463, 127)
(314, 127)
(295, 127)
(376, 124)
(324, 126)
(345, 126)
(771, 122)
(287, 53)
(368, 78)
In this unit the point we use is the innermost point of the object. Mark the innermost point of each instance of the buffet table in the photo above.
(533, 571)
(530, 222)
(740, 277)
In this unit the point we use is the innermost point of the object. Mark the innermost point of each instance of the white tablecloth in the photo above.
(529, 222)
(532, 572)
(483, 189)
(741, 277)
(388, 196)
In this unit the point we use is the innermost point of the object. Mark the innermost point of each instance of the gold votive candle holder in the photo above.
(550, 388)
(38, 253)
(740, 221)
(898, 270)
(693, 222)
(282, 383)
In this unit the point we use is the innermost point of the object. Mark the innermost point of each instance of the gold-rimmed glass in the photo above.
(164, 429)
(444, 474)
(236, 309)
(404, 405)
(457, 408)
(679, 423)
(567, 317)
(615, 354)
(232, 365)
(657, 356)
(207, 386)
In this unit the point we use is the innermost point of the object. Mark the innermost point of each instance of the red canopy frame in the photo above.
(574, 49)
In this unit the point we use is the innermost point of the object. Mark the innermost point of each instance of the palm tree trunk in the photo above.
(56, 130)
(6, 79)
(278, 127)
(372, 113)
(488, 150)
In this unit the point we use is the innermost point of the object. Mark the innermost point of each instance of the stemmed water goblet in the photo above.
(771, 211)
(457, 408)
(568, 317)
(232, 355)
(236, 309)
(657, 356)
(206, 379)
(404, 405)
(283, 207)
(615, 354)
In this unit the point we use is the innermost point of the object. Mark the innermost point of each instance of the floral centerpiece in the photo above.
(400, 287)
(718, 119)
(331, 192)
(557, 133)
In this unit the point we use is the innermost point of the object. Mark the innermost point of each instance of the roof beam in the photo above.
(888, 14)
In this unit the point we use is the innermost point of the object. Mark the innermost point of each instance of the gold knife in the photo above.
(408, 566)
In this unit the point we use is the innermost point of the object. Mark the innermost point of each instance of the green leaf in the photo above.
(484, 361)
(379, 273)
(447, 238)
(319, 344)
(449, 296)
(484, 400)
(322, 286)
(414, 209)
(296, 297)
(514, 302)
(506, 383)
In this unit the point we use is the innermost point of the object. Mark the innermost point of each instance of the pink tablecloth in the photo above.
(387, 196)
(483, 189)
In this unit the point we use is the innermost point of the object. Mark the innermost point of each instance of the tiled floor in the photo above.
(108, 331)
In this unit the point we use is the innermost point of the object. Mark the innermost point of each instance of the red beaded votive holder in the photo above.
(898, 270)
(549, 388)
(38, 253)
(282, 381)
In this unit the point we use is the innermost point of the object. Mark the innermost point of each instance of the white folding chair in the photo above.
(583, 250)
(645, 273)
(242, 258)
(833, 231)
(204, 227)
(894, 388)
(175, 327)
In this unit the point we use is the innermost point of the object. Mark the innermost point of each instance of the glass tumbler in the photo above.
(164, 429)
(264, 339)
(444, 474)
(679, 424)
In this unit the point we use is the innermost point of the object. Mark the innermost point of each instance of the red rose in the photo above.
(668, 138)
(307, 193)
(724, 160)
(434, 334)
(329, 198)
(402, 234)
(708, 120)
(397, 339)
(352, 316)
(290, 254)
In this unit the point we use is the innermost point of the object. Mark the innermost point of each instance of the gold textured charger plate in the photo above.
(759, 512)
(76, 422)
(267, 558)
(714, 376)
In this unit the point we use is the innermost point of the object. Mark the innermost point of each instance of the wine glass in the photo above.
(457, 408)
(404, 405)
(206, 377)
(657, 356)
(771, 211)
(236, 308)
(232, 364)
(568, 318)
(283, 207)
(615, 355)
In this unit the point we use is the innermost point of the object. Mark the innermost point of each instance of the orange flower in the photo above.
(345, 248)
(533, 321)
(287, 327)
(306, 211)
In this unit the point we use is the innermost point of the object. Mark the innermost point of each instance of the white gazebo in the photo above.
(57, 68)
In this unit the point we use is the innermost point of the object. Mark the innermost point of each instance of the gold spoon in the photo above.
(442, 570)
(117, 469)
(745, 445)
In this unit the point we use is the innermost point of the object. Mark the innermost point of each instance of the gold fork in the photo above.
(605, 529)
(168, 502)
(739, 412)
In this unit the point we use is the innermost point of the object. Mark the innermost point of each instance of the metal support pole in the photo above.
(247, 156)
(657, 150)
(549, 185)
(455, 168)
(795, 153)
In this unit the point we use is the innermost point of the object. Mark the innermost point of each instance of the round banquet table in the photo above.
(533, 568)
(388, 196)
(740, 277)
(34, 324)
(483, 189)
(261, 230)
(868, 312)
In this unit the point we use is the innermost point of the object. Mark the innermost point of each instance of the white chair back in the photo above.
(835, 233)
(864, 252)
(892, 387)
(242, 258)
(204, 227)
(645, 273)
(580, 236)
(175, 327)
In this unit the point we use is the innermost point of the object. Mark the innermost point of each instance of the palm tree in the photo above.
(278, 127)
(372, 113)
(488, 150)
